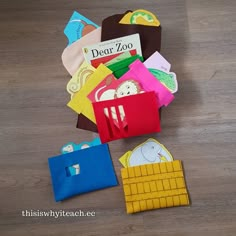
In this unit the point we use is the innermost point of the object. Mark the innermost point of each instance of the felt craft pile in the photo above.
(119, 82)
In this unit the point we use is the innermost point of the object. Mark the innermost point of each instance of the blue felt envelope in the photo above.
(95, 171)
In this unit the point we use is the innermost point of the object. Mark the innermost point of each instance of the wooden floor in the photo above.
(199, 127)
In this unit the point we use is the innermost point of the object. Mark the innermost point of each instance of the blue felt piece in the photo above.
(96, 172)
(76, 27)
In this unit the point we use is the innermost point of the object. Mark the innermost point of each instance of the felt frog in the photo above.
(167, 79)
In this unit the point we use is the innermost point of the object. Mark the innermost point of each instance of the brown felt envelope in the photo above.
(150, 36)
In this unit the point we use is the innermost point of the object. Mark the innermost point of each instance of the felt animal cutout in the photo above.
(144, 17)
(125, 88)
(140, 17)
(78, 26)
(167, 79)
(148, 152)
(102, 93)
(79, 78)
(71, 147)
(80, 102)
(86, 27)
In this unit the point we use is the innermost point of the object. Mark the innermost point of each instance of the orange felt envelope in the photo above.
(80, 103)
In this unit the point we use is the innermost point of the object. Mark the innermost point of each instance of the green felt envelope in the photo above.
(121, 67)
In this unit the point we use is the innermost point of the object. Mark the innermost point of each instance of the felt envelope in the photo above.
(148, 82)
(95, 171)
(72, 56)
(154, 186)
(141, 114)
(150, 36)
(119, 58)
(86, 124)
(121, 67)
(80, 103)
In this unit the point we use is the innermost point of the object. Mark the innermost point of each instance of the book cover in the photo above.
(107, 50)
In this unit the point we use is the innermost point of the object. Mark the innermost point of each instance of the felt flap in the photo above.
(121, 67)
(72, 56)
(123, 159)
(86, 124)
(140, 112)
(96, 171)
(150, 36)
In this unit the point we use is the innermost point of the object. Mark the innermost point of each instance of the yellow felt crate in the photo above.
(153, 186)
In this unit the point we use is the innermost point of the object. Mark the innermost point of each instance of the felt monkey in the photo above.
(107, 94)
(128, 87)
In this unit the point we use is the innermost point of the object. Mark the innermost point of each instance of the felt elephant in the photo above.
(148, 152)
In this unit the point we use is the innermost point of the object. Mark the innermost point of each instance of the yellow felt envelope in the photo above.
(140, 17)
(154, 186)
(80, 103)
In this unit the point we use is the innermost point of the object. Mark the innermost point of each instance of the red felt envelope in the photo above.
(140, 111)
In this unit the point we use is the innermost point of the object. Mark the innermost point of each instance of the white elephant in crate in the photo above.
(148, 152)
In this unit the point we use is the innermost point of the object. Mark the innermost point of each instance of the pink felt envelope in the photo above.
(148, 82)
